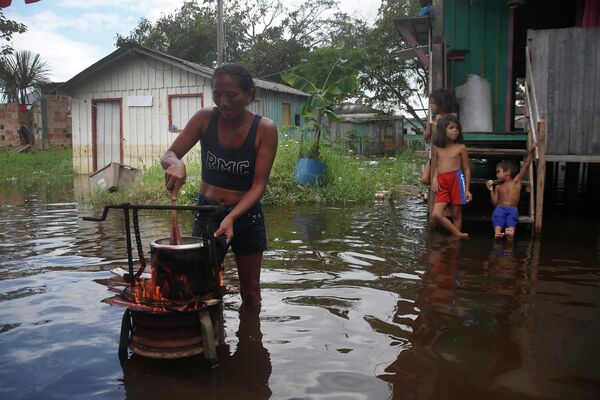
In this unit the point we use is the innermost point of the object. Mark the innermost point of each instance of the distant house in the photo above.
(130, 106)
(366, 131)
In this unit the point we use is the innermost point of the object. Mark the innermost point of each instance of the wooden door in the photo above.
(107, 134)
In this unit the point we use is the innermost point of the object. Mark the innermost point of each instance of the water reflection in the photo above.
(358, 303)
(414, 373)
(241, 374)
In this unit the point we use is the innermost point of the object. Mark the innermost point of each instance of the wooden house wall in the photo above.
(566, 65)
(367, 138)
(270, 104)
(146, 134)
(481, 28)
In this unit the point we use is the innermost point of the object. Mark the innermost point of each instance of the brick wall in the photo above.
(58, 111)
(9, 125)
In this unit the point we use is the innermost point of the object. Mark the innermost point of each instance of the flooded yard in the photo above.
(358, 303)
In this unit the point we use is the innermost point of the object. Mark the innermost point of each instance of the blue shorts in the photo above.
(505, 217)
(249, 231)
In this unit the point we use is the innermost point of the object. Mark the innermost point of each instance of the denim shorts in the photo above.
(249, 231)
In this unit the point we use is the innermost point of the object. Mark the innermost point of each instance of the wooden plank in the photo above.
(594, 98)
(584, 158)
(482, 181)
(541, 177)
(22, 149)
(476, 151)
(523, 219)
(552, 144)
(593, 124)
(575, 90)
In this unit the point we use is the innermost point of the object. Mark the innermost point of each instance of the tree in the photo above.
(306, 40)
(20, 73)
(189, 33)
(7, 29)
(261, 34)
(345, 48)
(319, 104)
(389, 82)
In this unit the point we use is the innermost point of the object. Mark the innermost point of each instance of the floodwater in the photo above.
(358, 303)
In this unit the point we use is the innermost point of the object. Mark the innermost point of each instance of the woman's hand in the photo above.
(175, 176)
(226, 228)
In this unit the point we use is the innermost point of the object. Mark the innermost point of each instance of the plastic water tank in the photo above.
(475, 102)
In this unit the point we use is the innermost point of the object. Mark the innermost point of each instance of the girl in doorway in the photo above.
(451, 174)
(441, 102)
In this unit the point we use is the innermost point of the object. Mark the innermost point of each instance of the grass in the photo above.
(37, 168)
(349, 179)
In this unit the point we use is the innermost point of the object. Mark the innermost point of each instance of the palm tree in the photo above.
(21, 73)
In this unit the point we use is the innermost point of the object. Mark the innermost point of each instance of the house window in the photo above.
(286, 119)
(181, 109)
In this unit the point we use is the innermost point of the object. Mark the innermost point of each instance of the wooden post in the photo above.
(431, 195)
(541, 176)
(220, 34)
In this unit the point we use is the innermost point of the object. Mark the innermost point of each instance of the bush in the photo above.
(349, 179)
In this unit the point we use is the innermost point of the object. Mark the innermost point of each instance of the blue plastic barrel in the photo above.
(310, 171)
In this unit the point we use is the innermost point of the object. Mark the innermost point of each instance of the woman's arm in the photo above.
(265, 156)
(467, 170)
(435, 186)
(175, 172)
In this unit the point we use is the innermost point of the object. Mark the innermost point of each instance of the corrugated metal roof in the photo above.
(178, 62)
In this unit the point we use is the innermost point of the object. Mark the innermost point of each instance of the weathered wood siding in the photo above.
(146, 134)
(566, 72)
(368, 138)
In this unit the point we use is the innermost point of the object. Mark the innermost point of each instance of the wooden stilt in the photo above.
(431, 196)
(541, 176)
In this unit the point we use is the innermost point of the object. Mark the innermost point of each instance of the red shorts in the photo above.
(453, 188)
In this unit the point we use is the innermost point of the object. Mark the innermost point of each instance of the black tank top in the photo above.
(229, 169)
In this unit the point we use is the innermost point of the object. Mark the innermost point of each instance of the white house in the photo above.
(129, 106)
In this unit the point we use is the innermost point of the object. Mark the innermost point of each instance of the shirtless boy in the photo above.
(505, 196)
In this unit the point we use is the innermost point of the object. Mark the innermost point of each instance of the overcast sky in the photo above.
(71, 35)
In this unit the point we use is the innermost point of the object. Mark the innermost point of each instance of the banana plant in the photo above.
(319, 104)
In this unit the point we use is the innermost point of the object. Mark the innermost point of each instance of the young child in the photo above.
(451, 174)
(440, 104)
(505, 196)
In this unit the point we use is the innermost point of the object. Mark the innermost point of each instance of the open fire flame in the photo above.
(168, 287)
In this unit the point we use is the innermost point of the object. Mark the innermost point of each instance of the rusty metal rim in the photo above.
(197, 243)
(167, 352)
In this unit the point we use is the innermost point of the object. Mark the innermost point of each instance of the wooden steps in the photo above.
(523, 219)
(480, 181)
(483, 152)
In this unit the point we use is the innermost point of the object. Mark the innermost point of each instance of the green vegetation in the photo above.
(319, 104)
(270, 37)
(52, 167)
(349, 179)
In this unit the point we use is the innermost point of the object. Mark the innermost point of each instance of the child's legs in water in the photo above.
(510, 231)
(438, 215)
(457, 215)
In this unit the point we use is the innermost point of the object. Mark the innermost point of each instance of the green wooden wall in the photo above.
(481, 27)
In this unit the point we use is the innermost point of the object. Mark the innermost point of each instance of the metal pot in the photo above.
(183, 271)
